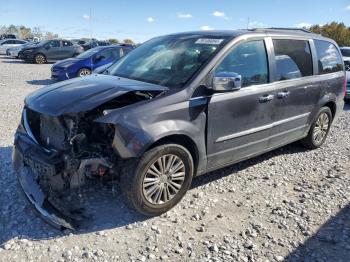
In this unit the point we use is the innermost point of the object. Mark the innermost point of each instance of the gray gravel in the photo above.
(289, 204)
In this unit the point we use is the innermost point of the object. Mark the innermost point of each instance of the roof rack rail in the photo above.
(284, 29)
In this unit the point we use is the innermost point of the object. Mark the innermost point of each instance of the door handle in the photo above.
(283, 94)
(266, 98)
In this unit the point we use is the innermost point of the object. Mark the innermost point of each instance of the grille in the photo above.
(46, 130)
(52, 133)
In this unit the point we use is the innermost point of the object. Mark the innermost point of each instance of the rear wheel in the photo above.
(40, 59)
(84, 72)
(319, 129)
(159, 180)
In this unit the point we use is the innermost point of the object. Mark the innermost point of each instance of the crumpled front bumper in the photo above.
(24, 157)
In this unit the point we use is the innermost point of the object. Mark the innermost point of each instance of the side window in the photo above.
(328, 58)
(116, 53)
(249, 60)
(66, 43)
(106, 54)
(293, 58)
(54, 43)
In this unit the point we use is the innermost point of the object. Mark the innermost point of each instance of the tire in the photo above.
(135, 172)
(39, 59)
(84, 72)
(320, 126)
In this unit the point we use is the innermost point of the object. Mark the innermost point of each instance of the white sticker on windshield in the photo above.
(209, 41)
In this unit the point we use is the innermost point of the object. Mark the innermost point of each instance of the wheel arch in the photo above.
(180, 139)
(332, 106)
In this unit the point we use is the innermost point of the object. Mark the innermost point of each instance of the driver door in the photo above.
(53, 50)
(239, 121)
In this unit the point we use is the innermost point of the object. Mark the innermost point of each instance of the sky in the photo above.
(141, 20)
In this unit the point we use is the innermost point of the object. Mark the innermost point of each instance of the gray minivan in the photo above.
(176, 107)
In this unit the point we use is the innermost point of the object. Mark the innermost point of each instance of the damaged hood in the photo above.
(83, 94)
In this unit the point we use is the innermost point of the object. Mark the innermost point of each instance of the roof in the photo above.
(272, 31)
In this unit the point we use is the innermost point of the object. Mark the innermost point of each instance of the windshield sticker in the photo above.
(209, 41)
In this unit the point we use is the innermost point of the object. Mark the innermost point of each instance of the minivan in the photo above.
(177, 107)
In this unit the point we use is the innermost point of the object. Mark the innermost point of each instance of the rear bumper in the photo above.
(28, 161)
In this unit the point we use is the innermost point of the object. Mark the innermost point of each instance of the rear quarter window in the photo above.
(328, 57)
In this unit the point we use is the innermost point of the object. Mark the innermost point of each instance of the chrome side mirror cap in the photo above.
(227, 81)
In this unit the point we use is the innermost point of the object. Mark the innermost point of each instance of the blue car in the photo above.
(86, 62)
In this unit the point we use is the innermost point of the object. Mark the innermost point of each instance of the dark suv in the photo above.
(176, 107)
(51, 50)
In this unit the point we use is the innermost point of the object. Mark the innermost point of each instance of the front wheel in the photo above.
(159, 180)
(319, 129)
(84, 72)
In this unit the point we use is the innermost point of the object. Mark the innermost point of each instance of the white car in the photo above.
(345, 51)
(8, 43)
(14, 51)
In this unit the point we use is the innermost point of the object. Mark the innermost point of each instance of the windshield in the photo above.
(89, 53)
(169, 60)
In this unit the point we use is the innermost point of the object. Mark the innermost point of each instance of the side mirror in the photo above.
(227, 81)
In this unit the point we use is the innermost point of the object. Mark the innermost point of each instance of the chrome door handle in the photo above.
(283, 94)
(267, 98)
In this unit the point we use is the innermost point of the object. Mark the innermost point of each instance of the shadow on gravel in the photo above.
(231, 170)
(13, 61)
(330, 243)
(99, 207)
(41, 82)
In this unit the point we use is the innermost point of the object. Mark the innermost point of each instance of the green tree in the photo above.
(113, 41)
(336, 31)
(128, 41)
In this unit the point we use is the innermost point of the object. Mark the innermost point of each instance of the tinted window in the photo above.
(67, 43)
(328, 57)
(107, 54)
(293, 58)
(53, 43)
(116, 53)
(345, 52)
(248, 60)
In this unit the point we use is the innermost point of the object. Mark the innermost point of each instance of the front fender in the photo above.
(138, 126)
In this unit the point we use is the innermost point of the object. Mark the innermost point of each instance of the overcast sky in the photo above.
(141, 20)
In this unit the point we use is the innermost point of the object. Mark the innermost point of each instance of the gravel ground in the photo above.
(289, 204)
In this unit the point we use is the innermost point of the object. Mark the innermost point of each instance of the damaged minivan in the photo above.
(174, 108)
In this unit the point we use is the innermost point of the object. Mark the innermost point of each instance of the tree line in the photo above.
(339, 32)
(24, 32)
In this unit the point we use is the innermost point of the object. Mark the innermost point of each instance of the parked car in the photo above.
(346, 57)
(8, 43)
(7, 36)
(51, 50)
(94, 43)
(86, 62)
(176, 107)
(15, 51)
(78, 41)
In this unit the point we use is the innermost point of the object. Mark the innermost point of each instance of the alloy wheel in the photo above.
(163, 179)
(321, 128)
(84, 72)
(40, 59)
